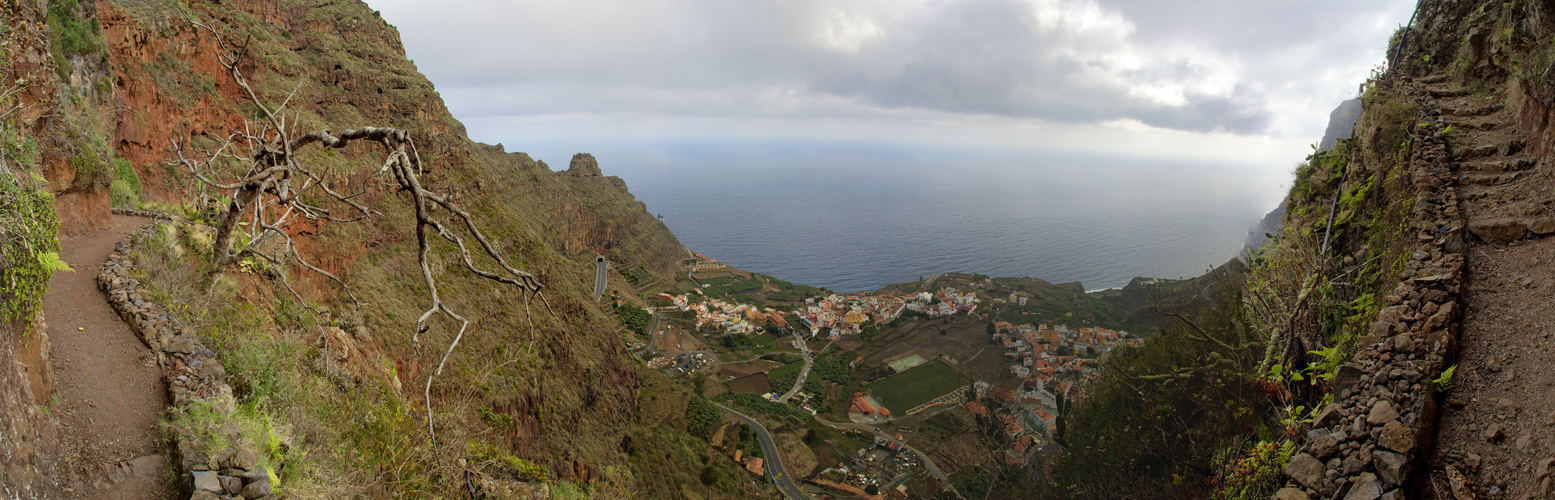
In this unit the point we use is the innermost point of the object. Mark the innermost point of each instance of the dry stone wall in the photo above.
(1379, 428)
(208, 468)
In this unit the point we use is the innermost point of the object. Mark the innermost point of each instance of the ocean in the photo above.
(850, 220)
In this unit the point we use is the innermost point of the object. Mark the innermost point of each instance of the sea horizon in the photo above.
(860, 220)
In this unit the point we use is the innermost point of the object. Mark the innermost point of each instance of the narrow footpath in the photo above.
(108, 392)
(1496, 438)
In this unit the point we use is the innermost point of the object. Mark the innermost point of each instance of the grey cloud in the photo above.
(985, 57)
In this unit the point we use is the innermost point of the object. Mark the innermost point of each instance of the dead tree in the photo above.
(274, 193)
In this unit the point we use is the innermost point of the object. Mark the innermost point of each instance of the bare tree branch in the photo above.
(268, 195)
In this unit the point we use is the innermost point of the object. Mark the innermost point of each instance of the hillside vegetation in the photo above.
(539, 396)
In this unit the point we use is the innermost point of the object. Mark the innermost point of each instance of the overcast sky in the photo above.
(1231, 81)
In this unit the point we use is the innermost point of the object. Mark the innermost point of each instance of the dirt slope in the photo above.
(109, 395)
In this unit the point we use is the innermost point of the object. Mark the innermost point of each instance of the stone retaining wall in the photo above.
(1381, 425)
(194, 377)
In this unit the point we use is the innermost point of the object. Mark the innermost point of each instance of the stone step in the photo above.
(1489, 178)
(1499, 165)
(1477, 152)
(1437, 78)
(1472, 110)
(1508, 229)
(1504, 149)
(1446, 93)
(1470, 123)
(1508, 199)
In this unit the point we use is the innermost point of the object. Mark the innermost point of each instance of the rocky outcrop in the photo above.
(583, 165)
(1341, 123)
(196, 382)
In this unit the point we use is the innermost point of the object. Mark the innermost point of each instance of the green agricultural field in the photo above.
(905, 391)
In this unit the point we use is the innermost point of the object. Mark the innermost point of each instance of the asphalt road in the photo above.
(773, 462)
(600, 277)
(928, 463)
(804, 348)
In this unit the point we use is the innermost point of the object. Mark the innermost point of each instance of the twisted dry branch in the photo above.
(275, 185)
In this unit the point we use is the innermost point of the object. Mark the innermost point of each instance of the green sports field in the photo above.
(905, 391)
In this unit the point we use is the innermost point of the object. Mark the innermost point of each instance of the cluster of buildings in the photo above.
(845, 314)
(680, 364)
(755, 465)
(1025, 423)
(840, 314)
(950, 301)
(705, 263)
(882, 464)
(1028, 414)
(1045, 352)
(731, 317)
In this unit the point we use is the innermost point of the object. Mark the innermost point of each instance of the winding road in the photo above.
(773, 462)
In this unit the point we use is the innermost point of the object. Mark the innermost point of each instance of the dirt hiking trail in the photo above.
(1497, 431)
(108, 393)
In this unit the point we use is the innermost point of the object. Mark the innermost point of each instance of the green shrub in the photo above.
(28, 226)
(701, 416)
(125, 191)
(1253, 475)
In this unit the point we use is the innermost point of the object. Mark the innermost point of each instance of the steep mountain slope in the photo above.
(540, 396)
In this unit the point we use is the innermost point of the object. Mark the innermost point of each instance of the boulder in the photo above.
(184, 344)
(1499, 230)
(1542, 225)
(1381, 412)
(1356, 463)
(205, 480)
(1331, 414)
(1290, 494)
(1348, 375)
(1495, 433)
(1367, 487)
(1306, 470)
(257, 489)
(1442, 318)
(231, 485)
(1322, 443)
(1391, 466)
(1395, 436)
